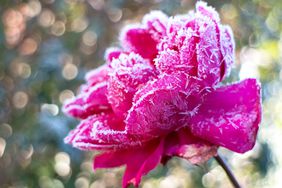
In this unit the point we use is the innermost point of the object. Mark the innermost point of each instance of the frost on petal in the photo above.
(101, 132)
(188, 52)
(74, 107)
(112, 53)
(221, 52)
(185, 145)
(139, 40)
(230, 116)
(138, 161)
(168, 60)
(175, 31)
(208, 11)
(156, 23)
(227, 47)
(202, 46)
(164, 105)
(96, 97)
(97, 75)
(208, 52)
(72, 134)
(144, 38)
(180, 58)
(91, 100)
(92, 97)
(129, 73)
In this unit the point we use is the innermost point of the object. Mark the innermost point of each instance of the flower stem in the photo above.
(227, 170)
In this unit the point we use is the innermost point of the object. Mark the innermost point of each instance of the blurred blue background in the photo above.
(47, 46)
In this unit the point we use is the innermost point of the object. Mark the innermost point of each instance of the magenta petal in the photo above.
(92, 97)
(217, 43)
(179, 48)
(97, 75)
(208, 52)
(111, 159)
(75, 107)
(91, 100)
(188, 53)
(142, 163)
(96, 98)
(103, 131)
(130, 73)
(169, 61)
(133, 40)
(208, 11)
(230, 116)
(163, 105)
(181, 55)
(112, 53)
(72, 134)
(203, 46)
(185, 145)
(156, 23)
(138, 161)
(227, 47)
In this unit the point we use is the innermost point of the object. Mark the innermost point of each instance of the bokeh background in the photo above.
(47, 46)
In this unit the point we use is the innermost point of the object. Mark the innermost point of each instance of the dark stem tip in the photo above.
(227, 170)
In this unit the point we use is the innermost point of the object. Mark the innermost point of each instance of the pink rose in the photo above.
(160, 96)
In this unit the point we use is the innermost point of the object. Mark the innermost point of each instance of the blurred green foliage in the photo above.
(47, 46)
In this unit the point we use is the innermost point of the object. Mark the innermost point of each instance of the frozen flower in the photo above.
(159, 96)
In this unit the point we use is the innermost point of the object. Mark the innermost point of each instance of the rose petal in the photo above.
(96, 97)
(176, 29)
(143, 163)
(185, 145)
(227, 47)
(74, 107)
(208, 52)
(112, 53)
(224, 37)
(101, 132)
(188, 52)
(194, 44)
(130, 72)
(230, 116)
(111, 159)
(92, 95)
(163, 105)
(183, 58)
(168, 61)
(72, 134)
(156, 23)
(133, 40)
(138, 161)
(91, 100)
(208, 11)
(97, 75)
